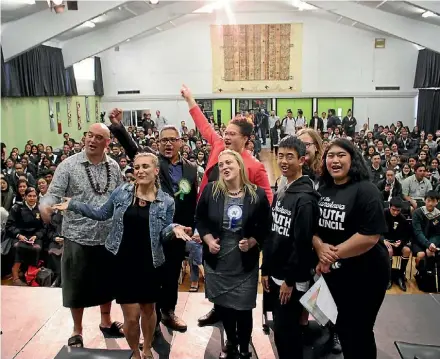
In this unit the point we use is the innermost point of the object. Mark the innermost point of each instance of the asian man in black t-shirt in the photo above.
(287, 255)
(396, 238)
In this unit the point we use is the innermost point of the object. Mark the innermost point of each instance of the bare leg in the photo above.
(148, 323)
(77, 316)
(131, 327)
(106, 320)
(16, 270)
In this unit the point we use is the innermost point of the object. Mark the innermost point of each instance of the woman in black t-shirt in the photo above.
(351, 221)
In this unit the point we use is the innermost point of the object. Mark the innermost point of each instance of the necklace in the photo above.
(95, 186)
(235, 193)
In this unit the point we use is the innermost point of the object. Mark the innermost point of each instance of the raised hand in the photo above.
(115, 116)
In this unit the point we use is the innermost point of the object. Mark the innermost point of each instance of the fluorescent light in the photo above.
(154, 2)
(57, 2)
(89, 24)
(127, 40)
(428, 14)
(301, 5)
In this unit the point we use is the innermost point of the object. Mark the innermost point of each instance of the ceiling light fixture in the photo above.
(90, 24)
(127, 40)
(428, 14)
(154, 2)
(57, 2)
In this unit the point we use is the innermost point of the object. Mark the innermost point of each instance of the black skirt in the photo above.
(87, 273)
(137, 281)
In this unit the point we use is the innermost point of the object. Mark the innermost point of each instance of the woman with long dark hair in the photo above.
(276, 133)
(232, 219)
(138, 251)
(350, 224)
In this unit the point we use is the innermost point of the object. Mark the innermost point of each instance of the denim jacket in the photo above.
(161, 217)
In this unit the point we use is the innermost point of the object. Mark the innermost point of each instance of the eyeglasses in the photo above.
(308, 144)
(171, 140)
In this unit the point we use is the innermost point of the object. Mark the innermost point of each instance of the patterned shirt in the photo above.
(71, 180)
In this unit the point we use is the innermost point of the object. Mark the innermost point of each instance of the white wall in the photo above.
(384, 111)
(338, 60)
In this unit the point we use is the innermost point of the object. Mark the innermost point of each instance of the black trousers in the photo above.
(169, 278)
(286, 319)
(238, 326)
(358, 294)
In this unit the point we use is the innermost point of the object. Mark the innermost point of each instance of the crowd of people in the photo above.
(124, 206)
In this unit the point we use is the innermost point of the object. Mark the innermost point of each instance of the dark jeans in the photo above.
(169, 279)
(287, 330)
(238, 326)
(358, 295)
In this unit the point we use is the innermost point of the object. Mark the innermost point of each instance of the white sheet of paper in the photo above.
(326, 303)
(319, 302)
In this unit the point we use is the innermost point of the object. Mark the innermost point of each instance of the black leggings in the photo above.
(238, 326)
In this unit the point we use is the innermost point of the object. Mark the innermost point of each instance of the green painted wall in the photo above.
(27, 118)
(325, 103)
(225, 106)
(305, 104)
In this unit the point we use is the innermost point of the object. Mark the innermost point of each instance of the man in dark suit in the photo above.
(404, 143)
(316, 122)
(349, 124)
(178, 178)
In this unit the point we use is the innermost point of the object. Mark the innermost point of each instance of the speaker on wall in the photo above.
(219, 118)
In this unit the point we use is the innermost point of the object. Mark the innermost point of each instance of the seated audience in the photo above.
(7, 193)
(56, 246)
(377, 171)
(390, 186)
(425, 221)
(26, 228)
(415, 187)
(397, 238)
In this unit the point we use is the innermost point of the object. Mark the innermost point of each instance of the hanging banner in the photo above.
(78, 114)
(96, 110)
(51, 115)
(69, 111)
(58, 110)
(87, 109)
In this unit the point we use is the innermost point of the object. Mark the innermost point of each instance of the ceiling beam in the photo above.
(28, 32)
(433, 6)
(92, 43)
(417, 32)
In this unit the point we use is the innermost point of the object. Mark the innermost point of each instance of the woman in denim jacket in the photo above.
(142, 219)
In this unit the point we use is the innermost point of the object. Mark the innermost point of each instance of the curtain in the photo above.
(71, 89)
(98, 85)
(37, 72)
(427, 70)
(428, 110)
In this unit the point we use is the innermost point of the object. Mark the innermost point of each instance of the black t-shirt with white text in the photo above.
(354, 207)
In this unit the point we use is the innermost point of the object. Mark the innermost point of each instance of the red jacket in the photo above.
(255, 169)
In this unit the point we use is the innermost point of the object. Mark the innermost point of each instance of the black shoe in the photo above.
(307, 335)
(401, 283)
(209, 319)
(245, 355)
(336, 348)
(229, 351)
(390, 284)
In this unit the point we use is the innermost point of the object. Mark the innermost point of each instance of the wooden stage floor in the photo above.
(36, 326)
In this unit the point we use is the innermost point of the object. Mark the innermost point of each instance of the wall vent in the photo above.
(387, 88)
(129, 92)
(116, 48)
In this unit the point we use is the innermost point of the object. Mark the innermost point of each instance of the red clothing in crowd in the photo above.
(255, 170)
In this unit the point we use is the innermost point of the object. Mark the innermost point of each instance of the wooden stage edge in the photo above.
(35, 325)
